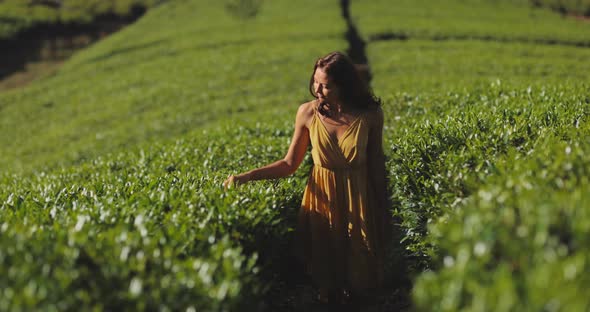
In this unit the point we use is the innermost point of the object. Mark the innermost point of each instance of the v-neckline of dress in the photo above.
(338, 141)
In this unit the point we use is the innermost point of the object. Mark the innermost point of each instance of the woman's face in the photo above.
(324, 88)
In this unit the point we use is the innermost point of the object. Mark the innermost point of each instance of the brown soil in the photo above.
(582, 18)
(31, 72)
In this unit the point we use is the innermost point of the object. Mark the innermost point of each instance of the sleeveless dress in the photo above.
(338, 235)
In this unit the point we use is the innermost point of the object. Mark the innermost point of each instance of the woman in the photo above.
(340, 227)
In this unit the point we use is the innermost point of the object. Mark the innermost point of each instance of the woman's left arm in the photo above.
(290, 162)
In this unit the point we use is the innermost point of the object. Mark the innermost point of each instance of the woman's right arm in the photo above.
(289, 164)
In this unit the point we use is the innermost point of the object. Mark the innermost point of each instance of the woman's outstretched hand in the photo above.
(235, 180)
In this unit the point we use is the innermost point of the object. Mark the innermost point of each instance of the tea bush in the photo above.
(425, 68)
(443, 149)
(110, 191)
(520, 242)
(488, 20)
(487, 142)
(146, 229)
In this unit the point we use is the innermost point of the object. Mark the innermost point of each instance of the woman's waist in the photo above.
(348, 167)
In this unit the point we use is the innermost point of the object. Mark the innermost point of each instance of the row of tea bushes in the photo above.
(520, 243)
(492, 190)
(445, 147)
(431, 67)
(148, 229)
(489, 20)
(487, 137)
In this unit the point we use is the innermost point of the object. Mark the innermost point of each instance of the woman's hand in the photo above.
(236, 180)
(288, 165)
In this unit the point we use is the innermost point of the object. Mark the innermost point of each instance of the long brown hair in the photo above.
(353, 91)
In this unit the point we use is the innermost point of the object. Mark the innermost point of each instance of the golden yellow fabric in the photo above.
(337, 236)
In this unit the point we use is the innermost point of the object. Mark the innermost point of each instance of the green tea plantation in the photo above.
(111, 170)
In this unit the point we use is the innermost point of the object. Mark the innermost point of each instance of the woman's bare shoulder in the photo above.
(306, 110)
(308, 107)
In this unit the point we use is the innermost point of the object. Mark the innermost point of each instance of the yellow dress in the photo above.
(339, 236)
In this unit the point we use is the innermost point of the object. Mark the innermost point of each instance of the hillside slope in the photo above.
(180, 67)
(487, 143)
